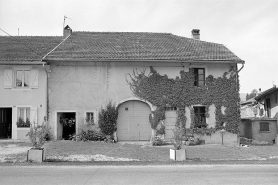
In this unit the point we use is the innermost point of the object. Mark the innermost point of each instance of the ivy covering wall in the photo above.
(163, 92)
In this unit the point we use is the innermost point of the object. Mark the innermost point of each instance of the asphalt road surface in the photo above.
(187, 174)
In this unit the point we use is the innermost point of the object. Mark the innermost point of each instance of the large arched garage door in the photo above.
(133, 121)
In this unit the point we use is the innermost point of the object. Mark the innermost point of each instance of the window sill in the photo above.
(21, 89)
(265, 131)
(23, 128)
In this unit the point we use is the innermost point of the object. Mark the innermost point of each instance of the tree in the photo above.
(253, 94)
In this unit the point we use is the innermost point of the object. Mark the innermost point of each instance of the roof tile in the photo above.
(138, 45)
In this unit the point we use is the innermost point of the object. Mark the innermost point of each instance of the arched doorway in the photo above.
(133, 121)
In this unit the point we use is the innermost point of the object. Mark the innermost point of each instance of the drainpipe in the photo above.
(237, 75)
(47, 96)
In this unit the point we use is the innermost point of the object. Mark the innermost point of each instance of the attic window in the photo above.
(126, 109)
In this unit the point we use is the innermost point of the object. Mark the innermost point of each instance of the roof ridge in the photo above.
(121, 32)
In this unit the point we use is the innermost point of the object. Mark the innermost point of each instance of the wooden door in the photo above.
(133, 121)
(5, 122)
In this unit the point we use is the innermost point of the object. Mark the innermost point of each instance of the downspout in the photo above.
(47, 96)
(47, 76)
(237, 71)
(237, 88)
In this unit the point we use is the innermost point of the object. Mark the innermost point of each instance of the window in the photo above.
(264, 126)
(199, 75)
(23, 117)
(90, 116)
(22, 78)
(200, 116)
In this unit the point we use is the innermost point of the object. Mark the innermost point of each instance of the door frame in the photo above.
(56, 121)
(13, 128)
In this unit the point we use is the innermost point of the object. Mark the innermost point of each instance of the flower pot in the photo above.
(178, 155)
(36, 155)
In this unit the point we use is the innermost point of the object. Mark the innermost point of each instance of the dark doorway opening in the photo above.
(5, 123)
(67, 124)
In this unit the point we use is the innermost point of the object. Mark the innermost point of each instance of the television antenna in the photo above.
(65, 17)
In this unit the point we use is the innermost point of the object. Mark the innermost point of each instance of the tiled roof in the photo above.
(26, 48)
(265, 93)
(138, 46)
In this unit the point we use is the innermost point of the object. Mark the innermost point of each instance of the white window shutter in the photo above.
(8, 79)
(34, 79)
(34, 115)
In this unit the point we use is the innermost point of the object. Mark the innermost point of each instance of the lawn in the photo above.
(100, 151)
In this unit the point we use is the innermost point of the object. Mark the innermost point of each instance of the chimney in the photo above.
(195, 34)
(67, 31)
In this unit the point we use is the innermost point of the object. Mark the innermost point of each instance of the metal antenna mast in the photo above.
(65, 17)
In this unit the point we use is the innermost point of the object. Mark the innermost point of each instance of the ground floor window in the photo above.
(200, 116)
(23, 117)
(264, 126)
(89, 118)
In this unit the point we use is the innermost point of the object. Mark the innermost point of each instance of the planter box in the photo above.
(36, 155)
(178, 155)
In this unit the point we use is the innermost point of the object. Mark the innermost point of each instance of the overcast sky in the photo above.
(249, 28)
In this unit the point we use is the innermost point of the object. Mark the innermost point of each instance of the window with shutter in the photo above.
(22, 78)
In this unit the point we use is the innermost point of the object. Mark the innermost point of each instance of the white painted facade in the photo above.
(81, 86)
(33, 97)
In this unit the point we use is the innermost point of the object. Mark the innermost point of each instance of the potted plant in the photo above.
(177, 154)
(38, 134)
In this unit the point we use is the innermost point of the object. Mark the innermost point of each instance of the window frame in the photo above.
(197, 76)
(198, 115)
(264, 127)
(95, 116)
(24, 113)
(23, 80)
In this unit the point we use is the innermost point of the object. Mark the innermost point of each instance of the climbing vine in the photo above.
(180, 92)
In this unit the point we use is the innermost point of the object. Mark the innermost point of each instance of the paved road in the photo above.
(191, 174)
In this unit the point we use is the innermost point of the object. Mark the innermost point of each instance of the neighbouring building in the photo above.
(262, 127)
(23, 83)
(198, 78)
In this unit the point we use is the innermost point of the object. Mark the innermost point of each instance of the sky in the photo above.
(249, 28)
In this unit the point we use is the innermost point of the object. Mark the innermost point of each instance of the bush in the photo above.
(91, 135)
(158, 141)
(177, 138)
(38, 134)
(108, 119)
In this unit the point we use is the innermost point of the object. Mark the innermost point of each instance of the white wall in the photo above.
(31, 97)
(84, 86)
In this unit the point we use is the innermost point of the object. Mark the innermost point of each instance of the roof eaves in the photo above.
(140, 60)
(266, 93)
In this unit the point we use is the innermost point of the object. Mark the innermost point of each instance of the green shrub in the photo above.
(90, 135)
(108, 119)
(38, 134)
(177, 138)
